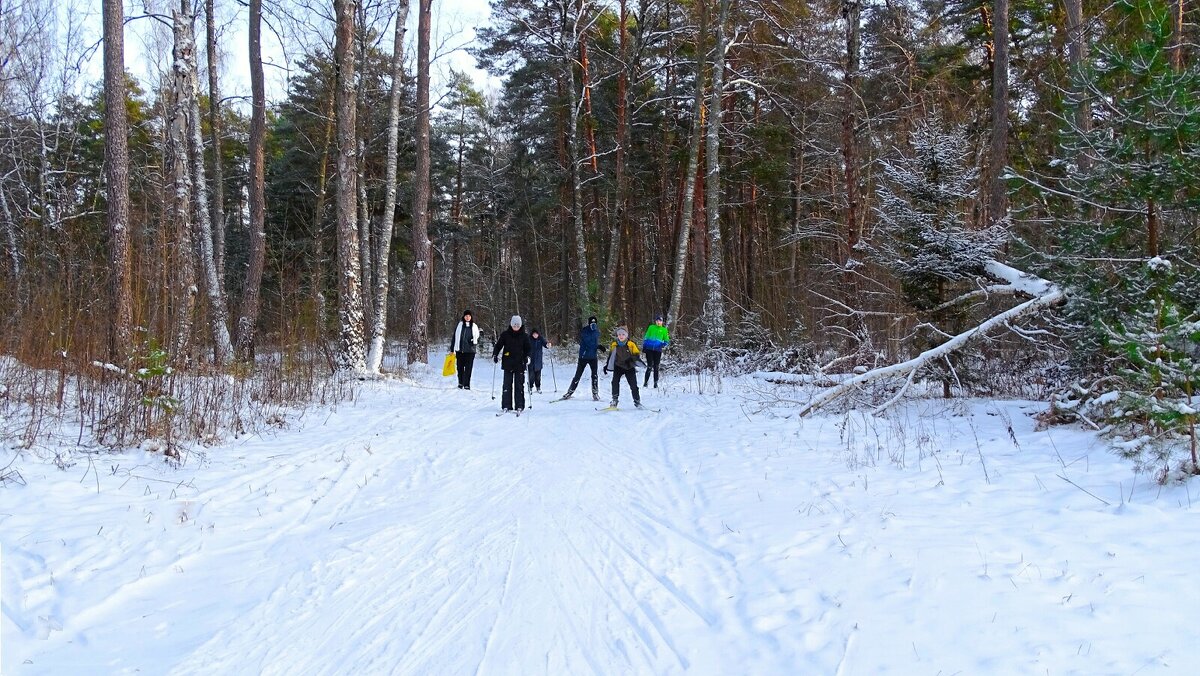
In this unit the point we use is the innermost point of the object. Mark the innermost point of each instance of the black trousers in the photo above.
(514, 386)
(466, 363)
(653, 357)
(535, 379)
(579, 374)
(630, 376)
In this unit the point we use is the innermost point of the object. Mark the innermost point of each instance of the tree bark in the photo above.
(116, 177)
(714, 306)
(351, 355)
(214, 140)
(619, 221)
(852, 11)
(582, 296)
(693, 167)
(178, 157)
(10, 237)
(203, 232)
(418, 330)
(384, 244)
(997, 193)
(248, 317)
(1178, 37)
(1076, 55)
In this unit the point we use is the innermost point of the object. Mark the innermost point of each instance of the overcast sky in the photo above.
(147, 44)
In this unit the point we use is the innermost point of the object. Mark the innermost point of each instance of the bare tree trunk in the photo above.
(714, 307)
(384, 243)
(182, 270)
(350, 353)
(190, 93)
(418, 330)
(582, 296)
(248, 317)
(116, 177)
(1076, 54)
(214, 140)
(997, 194)
(1178, 38)
(618, 222)
(366, 268)
(851, 10)
(693, 168)
(10, 237)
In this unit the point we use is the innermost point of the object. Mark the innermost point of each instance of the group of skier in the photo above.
(518, 353)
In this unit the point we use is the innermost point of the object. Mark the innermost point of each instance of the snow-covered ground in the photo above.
(411, 531)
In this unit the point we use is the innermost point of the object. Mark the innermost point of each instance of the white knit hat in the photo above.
(515, 321)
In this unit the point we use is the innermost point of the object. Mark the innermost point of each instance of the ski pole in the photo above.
(493, 380)
(552, 373)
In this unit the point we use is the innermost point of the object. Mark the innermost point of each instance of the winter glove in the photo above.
(605, 370)
(602, 348)
(495, 359)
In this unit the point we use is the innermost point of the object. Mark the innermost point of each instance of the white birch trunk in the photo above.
(714, 306)
(384, 243)
(178, 159)
(218, 312)
(10, 236)
(582, 297)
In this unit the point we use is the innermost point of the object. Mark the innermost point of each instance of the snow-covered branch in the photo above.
(1043, 294)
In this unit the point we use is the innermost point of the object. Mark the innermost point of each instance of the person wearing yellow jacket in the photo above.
(622, 361)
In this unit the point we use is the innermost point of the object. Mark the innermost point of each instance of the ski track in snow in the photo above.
(413, 532)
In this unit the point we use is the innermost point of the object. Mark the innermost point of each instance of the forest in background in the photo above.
(815, 187)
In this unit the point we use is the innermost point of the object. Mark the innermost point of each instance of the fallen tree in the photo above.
(1041, 293)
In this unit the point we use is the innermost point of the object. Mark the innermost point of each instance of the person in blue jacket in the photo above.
(589, 343)
(538, 341)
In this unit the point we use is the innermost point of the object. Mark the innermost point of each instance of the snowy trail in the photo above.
(549, 537)
(414, 532)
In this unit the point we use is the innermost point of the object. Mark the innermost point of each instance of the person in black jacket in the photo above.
(515, 346)
(462, 344)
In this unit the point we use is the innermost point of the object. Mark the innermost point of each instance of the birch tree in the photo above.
(384, 244)
(185, 56)
(714, 305)
(214, 138)
(178, 156)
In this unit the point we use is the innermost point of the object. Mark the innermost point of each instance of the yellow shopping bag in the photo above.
(449, 367)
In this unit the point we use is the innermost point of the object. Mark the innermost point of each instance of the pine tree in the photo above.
(921, 234)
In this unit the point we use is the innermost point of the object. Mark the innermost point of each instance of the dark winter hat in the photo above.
(468, 312)
(592, 320)
(534, 330)
(658, 318)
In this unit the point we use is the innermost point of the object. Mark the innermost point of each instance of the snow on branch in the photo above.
(1043, 294)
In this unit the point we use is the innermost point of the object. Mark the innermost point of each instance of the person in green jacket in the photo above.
(653, 344)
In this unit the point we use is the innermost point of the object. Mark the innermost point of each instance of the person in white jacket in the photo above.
(462, 344)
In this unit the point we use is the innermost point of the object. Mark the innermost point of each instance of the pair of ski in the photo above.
(506, 410)
(611, 408)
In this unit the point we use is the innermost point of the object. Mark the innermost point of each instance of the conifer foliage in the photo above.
(921, 234)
